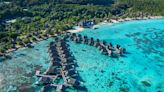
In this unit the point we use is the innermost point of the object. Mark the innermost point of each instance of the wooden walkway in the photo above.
(62, 63)
(46, 76)
(104, 48)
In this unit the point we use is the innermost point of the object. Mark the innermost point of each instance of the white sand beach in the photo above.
(76, 30)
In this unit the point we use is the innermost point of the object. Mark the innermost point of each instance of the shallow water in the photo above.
(140, 70)
(17, 73)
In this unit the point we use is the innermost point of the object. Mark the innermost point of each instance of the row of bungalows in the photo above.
(61, 73)
(107, 49)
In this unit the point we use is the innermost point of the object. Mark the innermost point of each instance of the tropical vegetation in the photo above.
(25, 21)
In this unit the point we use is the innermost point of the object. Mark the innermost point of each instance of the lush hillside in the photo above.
(149, 7)
(59, 15)
(37, 2)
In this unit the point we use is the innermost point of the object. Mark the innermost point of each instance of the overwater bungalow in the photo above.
(68, 67)
(103, 50)
(96, 43)
(52, 50)
(65, 63)
(73, 36)
(61, 66)
(61, 88)
(56, 63)
(65, 56)
(70, 72)
(109, 52)
(103, 43)
(120, 51)
(54, 60)
(80, 37)
(74, 82)
(123, 50)
(117, 47)
(78, 40)
(110, 46)
(47, 88)
(85, 39)
(59, 45)
(63, 48)
(51, 43)
(43, 81)
(54, 55)
(52, 71)
(68, 61)
(91, 41)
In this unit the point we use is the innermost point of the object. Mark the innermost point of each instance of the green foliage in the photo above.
(151, 7)
(56, 16)
(2, 50)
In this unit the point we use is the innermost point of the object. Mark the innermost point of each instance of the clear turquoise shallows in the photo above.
(140, 70)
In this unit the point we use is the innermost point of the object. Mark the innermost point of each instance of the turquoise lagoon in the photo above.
(140, 70)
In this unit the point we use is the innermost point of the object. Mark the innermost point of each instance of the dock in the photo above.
(61, 67)
(104, 48)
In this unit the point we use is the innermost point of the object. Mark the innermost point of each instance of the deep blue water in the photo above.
(140, 70)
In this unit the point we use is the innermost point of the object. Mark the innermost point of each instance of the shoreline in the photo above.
(120, 20)
(80, 29)
(76, 30)
(21, 47)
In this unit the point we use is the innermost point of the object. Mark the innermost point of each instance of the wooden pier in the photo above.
(104, 48)
(61, 67)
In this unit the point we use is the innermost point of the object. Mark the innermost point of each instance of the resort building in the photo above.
(86, 23)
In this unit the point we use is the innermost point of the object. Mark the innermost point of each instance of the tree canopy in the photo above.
(59, 15)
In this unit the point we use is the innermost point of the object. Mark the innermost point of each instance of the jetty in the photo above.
(61, 73)
(104, 48)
